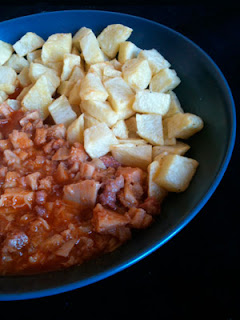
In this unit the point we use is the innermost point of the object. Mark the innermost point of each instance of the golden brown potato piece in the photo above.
(174, 107)
(133, 155)
(6, 51)
(121, 95)
(75, 131)
(179, 148)
(175, 172)
(17, 62)
(164, 81)
(28, 43)
(184, 125)
(23, 77)
(149, 127)
(38, 97)
(100, 110)
(137, 73)
(98, 139)
(90, 46)
(8, 78)
(151, 102)
(61, 111)
(127, 50)
(155, 59)
(111, 37)
(69, 62)
(154, 190)
(92, 88)
(56, 46)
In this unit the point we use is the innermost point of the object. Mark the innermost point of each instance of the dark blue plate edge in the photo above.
(173, 231)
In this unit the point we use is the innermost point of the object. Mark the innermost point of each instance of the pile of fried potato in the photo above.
(111, 95)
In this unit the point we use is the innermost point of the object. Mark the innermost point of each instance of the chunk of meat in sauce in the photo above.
(5, 110)
(83, 193)
(32, 180)
(151, 205)
(110, 189)
(17, 198)
(104, 220)
(139, 219)
(20, 140)
(14, 242)
(133, 187)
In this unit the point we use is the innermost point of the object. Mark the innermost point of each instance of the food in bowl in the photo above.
(91, 144)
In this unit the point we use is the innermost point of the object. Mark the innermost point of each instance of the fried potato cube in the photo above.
(90, 121)
(98, 139)
(38, 97)
(61, 111)
(3, 96)
(184, 125)
(14, 104)
(23, 77)
(90, 47)
(56, 46)
(175, 106)
(32, 56)
(92, 88)
(79, 35)
(120, 129)
(149, 127)
(111, 37)
(175, 172)
(28, 43)
(127, 50)
(164, 81)
(74, 97)
(179, 148)
(154, 190)
(151, 102)
(100, 110)
(121, 95)
(155, 59)
(133, 155)
(65, 87)
(69, 61)
(36, 70)
(6, 51)
(137, 73)
(8, 77)
(17, 62)
(75, 131)
(131, 124)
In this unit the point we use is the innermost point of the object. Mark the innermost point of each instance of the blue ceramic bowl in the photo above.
(203, 91)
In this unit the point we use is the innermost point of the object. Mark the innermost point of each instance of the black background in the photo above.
(196, 274)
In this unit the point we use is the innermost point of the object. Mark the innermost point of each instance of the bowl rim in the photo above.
(173, 231)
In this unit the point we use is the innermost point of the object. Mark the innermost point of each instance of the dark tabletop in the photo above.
(196, 274)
